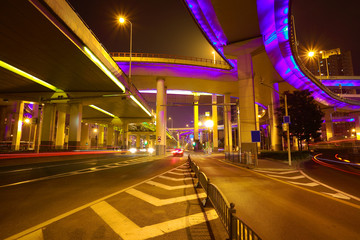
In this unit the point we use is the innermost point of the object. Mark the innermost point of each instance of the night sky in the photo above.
(165, 26)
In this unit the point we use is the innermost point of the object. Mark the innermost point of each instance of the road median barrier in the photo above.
(235, 228)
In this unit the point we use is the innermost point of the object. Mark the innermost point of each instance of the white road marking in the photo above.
(64, 215)
(334, 189)
(178, 174)
(161, 202)
(37, 235)
(128, 230)
(174, 179)
(181, 170)
(310, 184)
(338, 195)
(277, 172)
(167, 187)
(295, 177)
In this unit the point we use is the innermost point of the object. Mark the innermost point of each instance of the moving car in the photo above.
(178, 152)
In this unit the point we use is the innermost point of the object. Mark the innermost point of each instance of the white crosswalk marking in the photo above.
(175, 179)
(294, 177)
(277, 172)
(167, 187)
(178, 174)
(128, 230)
(161, 202)
(310, 184)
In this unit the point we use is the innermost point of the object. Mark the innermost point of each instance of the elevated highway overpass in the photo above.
(67, 69)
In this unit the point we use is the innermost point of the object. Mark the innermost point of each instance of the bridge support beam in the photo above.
(110, 137)
(60, 126)
(75, 126)
(274, 122)
(196, 121)
(160, 117)
(227, 124)
(247, 103)
(100, 143)
(85, 142)
(328, 124)
(18, 116)
(48, 127)
(215, 121)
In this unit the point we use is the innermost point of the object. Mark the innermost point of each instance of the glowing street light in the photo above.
(28, 121)
(122, 21)
(213, 52)
(312, 54)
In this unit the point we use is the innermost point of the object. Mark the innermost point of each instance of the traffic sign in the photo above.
(255, 136)
(286, 119)
(159, 139)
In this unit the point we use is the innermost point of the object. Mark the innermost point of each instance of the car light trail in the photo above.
(320, 161)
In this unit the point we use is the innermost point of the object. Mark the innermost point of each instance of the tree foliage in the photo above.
(305, 114)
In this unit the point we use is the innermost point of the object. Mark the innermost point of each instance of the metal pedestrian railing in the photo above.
(236, 229)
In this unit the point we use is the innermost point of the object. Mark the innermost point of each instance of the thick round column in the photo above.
(85, 142)
(101, 136)
(215, 121)
(18, 116)
(329, 124)
(48, 127)
(196, 121)
(160, 117)
(227, 123)
(75, 126)
(137, 141)
(110, 137)
(275, 139)
(60, 126)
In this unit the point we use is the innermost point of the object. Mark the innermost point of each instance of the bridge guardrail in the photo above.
(168, 56)
(235, 228)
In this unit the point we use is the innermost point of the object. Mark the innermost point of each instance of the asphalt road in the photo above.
(285, 204)
(34, 193)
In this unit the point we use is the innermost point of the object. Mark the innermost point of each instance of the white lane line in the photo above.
(295, 177)
(181, 170)
(277, 172)
(327, 186)
(167, 187)
(338, 195)
(174, 179)
(128, 230)
(37, 235)
(310, 184)
(161, 202)
(64, 215)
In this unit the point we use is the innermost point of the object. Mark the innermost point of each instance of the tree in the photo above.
(305, 114)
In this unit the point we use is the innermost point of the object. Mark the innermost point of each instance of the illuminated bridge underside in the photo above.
(270, 20)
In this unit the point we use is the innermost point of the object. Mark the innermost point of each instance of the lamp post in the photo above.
(172, 122)
(213, 52)
(122, 21)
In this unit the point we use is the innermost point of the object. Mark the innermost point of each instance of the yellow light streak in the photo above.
(105, 70)
(28, 76)
(102, 110)
(140, 105)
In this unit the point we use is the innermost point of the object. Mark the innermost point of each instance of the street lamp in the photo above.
(213, 52)
(312, 54)
(122, 21)
(172, 122)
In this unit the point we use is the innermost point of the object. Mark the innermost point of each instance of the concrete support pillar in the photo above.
(160, 117)
(165, 116)
(18, 116)
(329, 124)
(274, 123)
(3, 112)
(110, 137)
(227, 124)
(246, 103)
(85, 142)
(101, 136)
(60, 126)
(215, 139)
(196, 121)
(48, 127)
(75, 126)
(137, 141)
